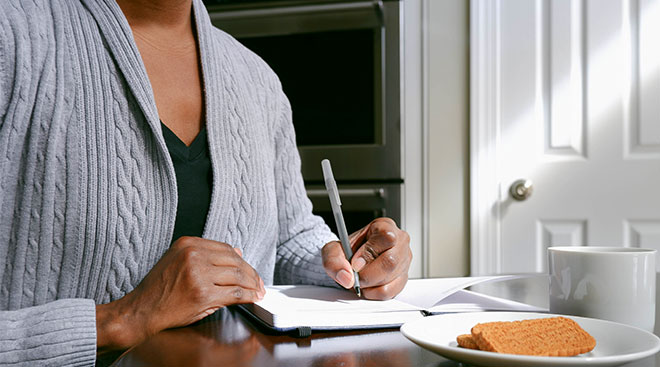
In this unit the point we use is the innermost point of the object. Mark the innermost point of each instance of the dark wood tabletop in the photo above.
(229, 338)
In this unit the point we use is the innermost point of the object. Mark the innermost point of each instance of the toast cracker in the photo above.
(467, 341)
(557, 336)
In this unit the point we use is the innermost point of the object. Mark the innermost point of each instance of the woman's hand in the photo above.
(192, 280)
(381, 255)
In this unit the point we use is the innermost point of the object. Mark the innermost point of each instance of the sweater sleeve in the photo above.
(4, 69)
(301, 233)
(59, 333)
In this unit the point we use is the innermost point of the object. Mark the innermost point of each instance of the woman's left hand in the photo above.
(381, 255)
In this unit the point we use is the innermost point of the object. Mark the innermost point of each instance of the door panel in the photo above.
(577, 112)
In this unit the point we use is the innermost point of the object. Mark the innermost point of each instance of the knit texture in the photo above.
(87, 189)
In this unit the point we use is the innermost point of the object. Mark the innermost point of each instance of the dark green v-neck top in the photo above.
(194, 180)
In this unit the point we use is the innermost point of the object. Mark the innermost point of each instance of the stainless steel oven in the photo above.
(360, 203)
(339, 66)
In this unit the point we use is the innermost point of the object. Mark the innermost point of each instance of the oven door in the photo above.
(339, 66)
(360, 204)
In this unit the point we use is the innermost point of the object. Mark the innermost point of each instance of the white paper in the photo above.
(468, 301)
(324, 307)
(426, 293)
(303, 298)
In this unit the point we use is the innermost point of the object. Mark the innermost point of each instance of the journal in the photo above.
(306, 308)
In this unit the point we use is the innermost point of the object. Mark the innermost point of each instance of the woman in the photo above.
(94, 97)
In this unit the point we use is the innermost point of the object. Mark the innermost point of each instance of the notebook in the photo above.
(303, 308)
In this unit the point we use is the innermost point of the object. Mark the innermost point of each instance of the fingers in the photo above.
(228, 266)
(357, 238)
(239, 273)
(379, 236)
(336, 265)
(242, 276)
(224, 267)
(217, 296)
(386, 291)
(220, 295)
(388, 266)
(229, 295)
(383, 257)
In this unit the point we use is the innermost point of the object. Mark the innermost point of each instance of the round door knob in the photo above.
(521, 189)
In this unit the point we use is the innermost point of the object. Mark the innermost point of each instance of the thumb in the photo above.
(336, 265)
(238, 251)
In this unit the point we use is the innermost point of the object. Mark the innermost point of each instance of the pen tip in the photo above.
(358, 291)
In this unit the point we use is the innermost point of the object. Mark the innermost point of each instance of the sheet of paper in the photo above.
(468, 301)
(426, 293)
(311, 299)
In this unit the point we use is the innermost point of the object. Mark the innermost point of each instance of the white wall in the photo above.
(435, 97)
(448, 149)
(412, 133)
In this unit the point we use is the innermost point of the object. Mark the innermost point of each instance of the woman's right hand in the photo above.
(193, 279)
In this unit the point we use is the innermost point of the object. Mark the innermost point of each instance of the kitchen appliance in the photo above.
(339, 64)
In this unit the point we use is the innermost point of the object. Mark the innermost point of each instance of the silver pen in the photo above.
(335, 202)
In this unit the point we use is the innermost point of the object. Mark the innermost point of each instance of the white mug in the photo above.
(611, 283)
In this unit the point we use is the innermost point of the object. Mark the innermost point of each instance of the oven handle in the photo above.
(380, 192)
(299, 10)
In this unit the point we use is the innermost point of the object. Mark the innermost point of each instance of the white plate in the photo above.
(615, 343)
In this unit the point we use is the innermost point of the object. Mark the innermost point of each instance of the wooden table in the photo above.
(228, 338)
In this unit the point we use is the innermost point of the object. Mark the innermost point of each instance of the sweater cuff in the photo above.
(300, 260)
(61, 333)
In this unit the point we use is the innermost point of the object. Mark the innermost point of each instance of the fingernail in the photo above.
(344, 278)
(359, 264)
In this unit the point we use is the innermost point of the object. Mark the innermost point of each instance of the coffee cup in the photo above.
(610, 283)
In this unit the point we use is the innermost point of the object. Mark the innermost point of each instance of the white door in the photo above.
(566, 94)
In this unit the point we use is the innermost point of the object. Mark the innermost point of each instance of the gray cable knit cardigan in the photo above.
(87, 188)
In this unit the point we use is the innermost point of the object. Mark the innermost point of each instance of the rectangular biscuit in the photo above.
(467, 341)
(557, 336)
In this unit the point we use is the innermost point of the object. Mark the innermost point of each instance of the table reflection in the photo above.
(229, 338)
